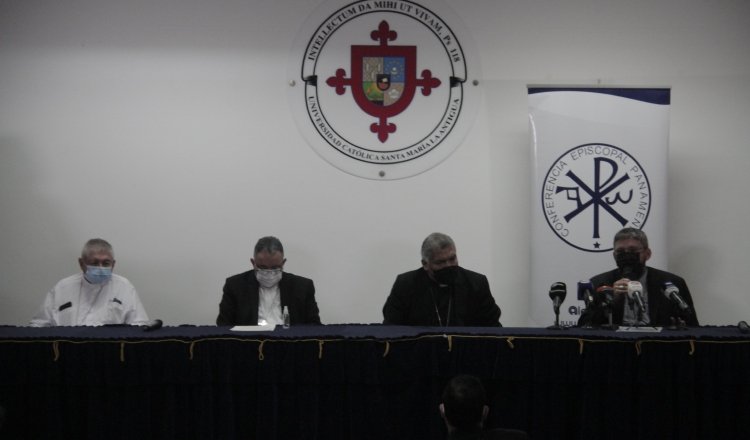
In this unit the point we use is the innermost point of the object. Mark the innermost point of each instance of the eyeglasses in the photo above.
(274, 271)
(99, 263)
(632, 250)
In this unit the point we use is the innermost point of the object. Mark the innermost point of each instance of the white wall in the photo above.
(163, 126)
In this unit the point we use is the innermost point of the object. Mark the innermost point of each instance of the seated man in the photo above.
(631, 252)
(464, 410)
(441, 293)
(95, 296)
(258, 296)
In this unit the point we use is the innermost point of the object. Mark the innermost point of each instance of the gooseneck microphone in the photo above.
(743, 327)
(586, 294)
(673, 294)
(156, 324)
(557, 293)
(605, 295)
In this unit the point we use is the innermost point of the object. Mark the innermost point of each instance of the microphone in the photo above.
(743, 327)
(635, 291)
(606, 295)
(673, 294)
(152, 325)
(557, 293)
(605, 298)
(584, 292)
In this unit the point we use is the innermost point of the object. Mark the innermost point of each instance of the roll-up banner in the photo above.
(599, 165)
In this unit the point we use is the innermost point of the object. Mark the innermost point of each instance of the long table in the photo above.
(369, 382)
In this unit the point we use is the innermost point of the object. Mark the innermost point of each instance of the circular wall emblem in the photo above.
(379, 88)
(591, 192)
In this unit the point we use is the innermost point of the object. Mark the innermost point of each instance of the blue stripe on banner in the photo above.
(653, 96)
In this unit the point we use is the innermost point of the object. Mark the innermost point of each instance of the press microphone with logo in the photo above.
(152, 325)
(557, 293)
(635, 291)
(673, 294)
(585, 292)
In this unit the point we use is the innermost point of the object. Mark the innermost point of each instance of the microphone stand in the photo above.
(586, 320)
(608, 310)
(556, 326)
(638, 314)
(676, 324)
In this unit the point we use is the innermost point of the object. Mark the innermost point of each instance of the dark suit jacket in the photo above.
(239, 304)
(411, 301)
(660, 308)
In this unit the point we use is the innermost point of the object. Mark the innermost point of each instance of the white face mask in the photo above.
(97, 274)
(268, 277)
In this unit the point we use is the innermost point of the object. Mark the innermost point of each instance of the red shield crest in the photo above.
(384, 79)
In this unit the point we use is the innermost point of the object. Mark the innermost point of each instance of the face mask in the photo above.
(446, 275)
(268, 277)
(97, 274)
(630, 264)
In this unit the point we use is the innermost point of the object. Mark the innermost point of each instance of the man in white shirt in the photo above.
(93, 297)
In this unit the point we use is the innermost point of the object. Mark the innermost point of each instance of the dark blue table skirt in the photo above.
(369, 382)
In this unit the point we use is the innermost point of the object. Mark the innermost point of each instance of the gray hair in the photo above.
(433, 243)
(628, 233)
(96, 245)
(269, 244)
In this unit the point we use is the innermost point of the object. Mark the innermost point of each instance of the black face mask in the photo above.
(630, 264)
(446, 275)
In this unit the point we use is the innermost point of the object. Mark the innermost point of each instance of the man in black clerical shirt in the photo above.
(441, 293)
(631, 252)
(259, 296)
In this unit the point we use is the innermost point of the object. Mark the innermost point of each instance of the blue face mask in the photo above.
(97, 274)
